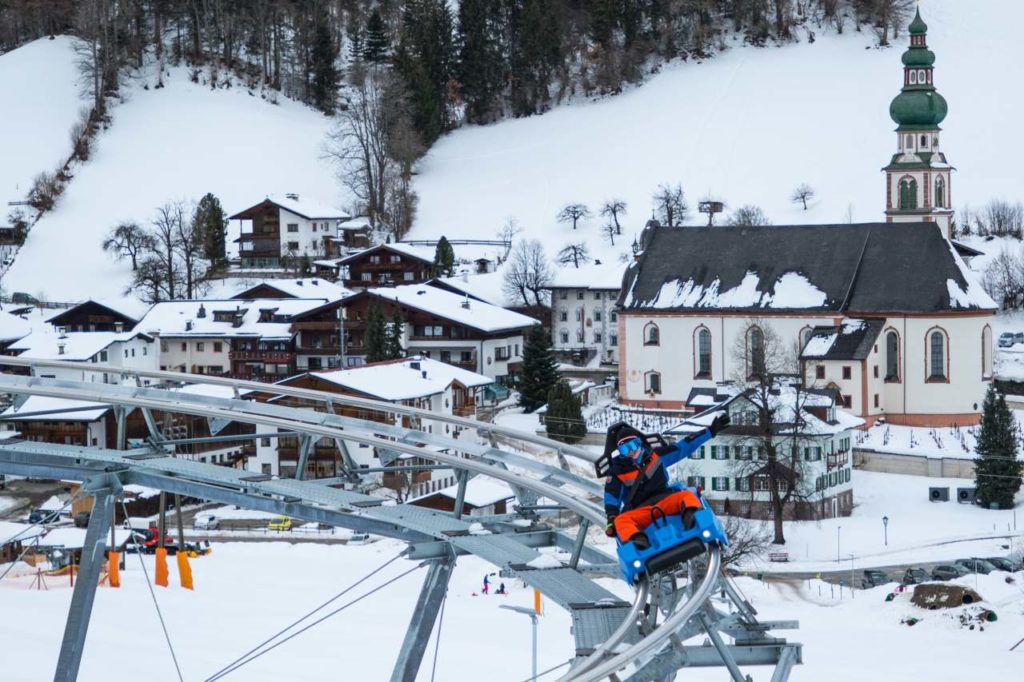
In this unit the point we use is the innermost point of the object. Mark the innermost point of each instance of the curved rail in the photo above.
(659, 637)
(311, 394)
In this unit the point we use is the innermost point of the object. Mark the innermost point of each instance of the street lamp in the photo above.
(533, 617)
(839, 535)
(885, 527)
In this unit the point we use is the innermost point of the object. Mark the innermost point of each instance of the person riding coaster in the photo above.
(637, 489)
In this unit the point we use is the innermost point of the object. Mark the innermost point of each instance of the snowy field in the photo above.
(809, 113)
(41, 102)
(247, 592)
(174, 143)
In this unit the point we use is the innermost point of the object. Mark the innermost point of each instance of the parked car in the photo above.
(1006, 339)
(873, 578)
(359, 539)
(976, 565)
(42, 516)
(205, 522)
(1018, 337)
(280, 523)
(948, 572)
(915, 576)
(1003, 564)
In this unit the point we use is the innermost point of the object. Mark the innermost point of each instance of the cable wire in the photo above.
(152, 594)
(314, 623)
(36, 538)
(351, 587)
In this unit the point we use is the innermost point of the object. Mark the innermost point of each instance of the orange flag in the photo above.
(113, 564)
(184, 570)
(161, 567)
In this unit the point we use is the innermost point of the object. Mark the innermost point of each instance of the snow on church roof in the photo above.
(867, 268)
(475, 314)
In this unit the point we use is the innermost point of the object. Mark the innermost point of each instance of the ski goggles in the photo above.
(629, 446)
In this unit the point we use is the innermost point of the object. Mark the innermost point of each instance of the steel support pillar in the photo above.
(305, 445)
(723, 648)
(93, 555)
(460, 494)
(435, 585)
(789, 656)
(577, 547)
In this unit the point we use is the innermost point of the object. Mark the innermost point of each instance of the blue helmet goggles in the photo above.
(629, 446)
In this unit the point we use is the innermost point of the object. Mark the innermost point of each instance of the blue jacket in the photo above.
(625, 474)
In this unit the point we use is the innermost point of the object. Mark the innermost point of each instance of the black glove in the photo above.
(719, 423)
(609, 528)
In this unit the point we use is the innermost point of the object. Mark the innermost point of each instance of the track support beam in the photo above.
(93, 555)
(435, 586)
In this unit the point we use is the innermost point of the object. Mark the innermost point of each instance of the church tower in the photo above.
(917, 180)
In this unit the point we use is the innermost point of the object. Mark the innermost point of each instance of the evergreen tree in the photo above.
(425, 57)
(481, 66)
(376, 45)
(535, 57)
(210, 223)
(564, 418)
(356, 40)
(539, 370)
(376, 335)
(444, 259)
(324, 87)
(997, 470)
(393, 343)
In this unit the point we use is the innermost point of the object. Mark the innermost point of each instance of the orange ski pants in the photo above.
(628, 524)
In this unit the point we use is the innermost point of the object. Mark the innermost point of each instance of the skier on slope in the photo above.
(638, 480)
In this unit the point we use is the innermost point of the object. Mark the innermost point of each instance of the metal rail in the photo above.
(322, 396)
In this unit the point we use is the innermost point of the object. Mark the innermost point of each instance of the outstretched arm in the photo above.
(684, 447)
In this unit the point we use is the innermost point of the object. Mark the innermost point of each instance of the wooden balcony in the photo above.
(279, 357)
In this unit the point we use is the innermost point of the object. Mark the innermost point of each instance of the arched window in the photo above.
(986, 352)
(755, 349)
(924, 140)
(937, 356)
(892, 356)
(652, 335)
(910, 142)
(703, 348)
(921, 78)
(940, 192)
(908, 194)
(913, 77)
(652, 382)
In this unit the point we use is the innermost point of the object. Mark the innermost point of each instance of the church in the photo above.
(885, 314)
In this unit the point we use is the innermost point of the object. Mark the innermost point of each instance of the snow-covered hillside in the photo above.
(40, 103)
(746, 127)
(167, 144)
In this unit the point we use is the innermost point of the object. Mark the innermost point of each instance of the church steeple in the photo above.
(918, 177)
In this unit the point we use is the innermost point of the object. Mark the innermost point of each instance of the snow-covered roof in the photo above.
(476, 314)
(355, 224)
(602, 276)
(852, 339)
(485, 286)
(307, 207)
(17, 532)
(53, 503)
(65, 410)
(74, 538)
(182, 318)
(423, 253)
(971, 295)
(129, 306)
(413, 377)
(13, 327)
(46, 344)
(313, 287)
(480, 492)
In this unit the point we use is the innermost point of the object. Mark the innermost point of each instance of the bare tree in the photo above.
(128, 240)
(508, 232)
(748, 216)
(1003, 279)
(573, 213)
(802, 194)
(189, 251)
(890, 15)
(613, 208)
(577, 254)
(528, 273)
(609, 231)
(748, 539)
(774, 426)
(670, 204)
(164, 254)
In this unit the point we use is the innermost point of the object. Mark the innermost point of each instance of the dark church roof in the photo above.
(856, 268)
(851, 340)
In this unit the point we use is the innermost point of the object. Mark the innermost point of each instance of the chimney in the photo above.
(202, 311)
(298, 282)
(119, 327)
(465, 302)
(62, 332)
(415, 364)
(60, 347)
(424, 373)
(188, 325)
